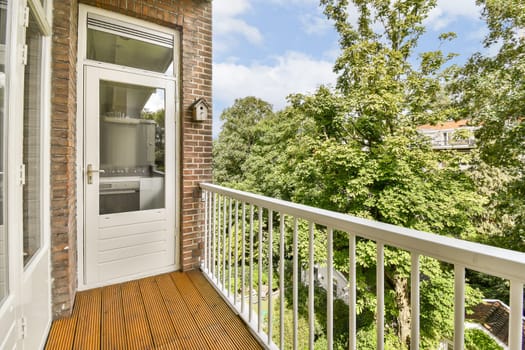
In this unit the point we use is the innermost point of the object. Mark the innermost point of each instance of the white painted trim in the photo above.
(41, 16)
(45, 148)
(495, 261)
(483, 258)
(81, 62)
(11, 310)
(166, 269)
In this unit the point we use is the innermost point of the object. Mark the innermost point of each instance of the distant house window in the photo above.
(446, 138)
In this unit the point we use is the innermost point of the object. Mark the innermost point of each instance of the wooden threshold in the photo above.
(178, 310)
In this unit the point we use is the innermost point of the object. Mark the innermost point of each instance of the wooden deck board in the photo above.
(186, 327)
(113, 325)
(213, 333)
(165, 312)
(160, 324)
(88, 325)
(137, 327)
(62, 334)
(231, 322)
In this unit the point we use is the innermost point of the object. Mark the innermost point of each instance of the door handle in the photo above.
(90, 171)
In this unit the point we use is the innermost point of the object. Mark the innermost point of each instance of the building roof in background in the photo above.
(451, 124)
(493, 315)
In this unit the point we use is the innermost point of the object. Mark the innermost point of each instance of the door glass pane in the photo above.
(3, 233)
(126, 51)
(132, 145)
(32, 141)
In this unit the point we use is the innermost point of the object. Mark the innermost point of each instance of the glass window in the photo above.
(32, 141)
(132, 147)
(3, 233)
(126, 51)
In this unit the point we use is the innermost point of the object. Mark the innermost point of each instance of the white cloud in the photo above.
(228, 27)
(233, 26)
(294, 2)
(448, 11)
(230, 8)
(292, 73)
(316, 25)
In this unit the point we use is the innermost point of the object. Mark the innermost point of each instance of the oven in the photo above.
(119, 195)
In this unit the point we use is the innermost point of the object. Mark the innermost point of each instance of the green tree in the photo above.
(491, 91)
(240, 132)
(355, 149)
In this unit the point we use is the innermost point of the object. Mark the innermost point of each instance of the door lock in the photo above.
(90, 171)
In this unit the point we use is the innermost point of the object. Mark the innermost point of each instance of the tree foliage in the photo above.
(355, 149)
(239, 133)
(490, 89)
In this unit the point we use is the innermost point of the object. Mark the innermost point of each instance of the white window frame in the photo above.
(43, 19)
(20, 278)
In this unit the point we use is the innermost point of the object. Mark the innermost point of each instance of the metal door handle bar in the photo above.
(90, 171)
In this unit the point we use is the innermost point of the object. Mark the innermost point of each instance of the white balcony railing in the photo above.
(234, 262)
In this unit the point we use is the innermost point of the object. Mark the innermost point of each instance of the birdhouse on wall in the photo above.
(200, 109)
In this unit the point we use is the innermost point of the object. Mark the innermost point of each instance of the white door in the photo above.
(25, 285)
(8, 278)
(129, 175)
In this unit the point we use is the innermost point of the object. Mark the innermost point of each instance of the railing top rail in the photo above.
(495, 261)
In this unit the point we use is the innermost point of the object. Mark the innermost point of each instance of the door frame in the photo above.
(94, 75)
(31, 311)
(83, 62)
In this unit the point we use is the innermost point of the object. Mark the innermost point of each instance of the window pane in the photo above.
(3, 233)
(132, 147)
(32, 141)
(125, 51)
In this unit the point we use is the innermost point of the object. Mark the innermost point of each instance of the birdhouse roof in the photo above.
(200, 101)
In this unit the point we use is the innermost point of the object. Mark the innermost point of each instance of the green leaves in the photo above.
(355, 149)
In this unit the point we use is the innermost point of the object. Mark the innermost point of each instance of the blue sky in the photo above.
(272, 48)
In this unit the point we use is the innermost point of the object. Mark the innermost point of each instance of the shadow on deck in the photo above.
(178, 310)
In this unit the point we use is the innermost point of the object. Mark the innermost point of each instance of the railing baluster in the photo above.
(250, 301)
(243, 257)
(204, 263)
(270, 273)
(210, 231)
(311, 316)
(218, 243)
(213, 241)
(219, 230)
(459, 307)
(380, 291)
(352, 294)
(230, 247)
(516, 315)
(225, 227)
(295, 290)
(260, 271)
(414, 301)
(281, 280)
(236, 254)
(330, 289)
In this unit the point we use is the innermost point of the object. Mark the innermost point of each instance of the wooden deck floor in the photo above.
(170, 311)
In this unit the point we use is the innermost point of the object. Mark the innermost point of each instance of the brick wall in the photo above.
(193, 19)
(63, 156)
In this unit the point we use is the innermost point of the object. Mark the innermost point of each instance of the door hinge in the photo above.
(24, 54)
(22, 174)
(23, 328)
(26, 16)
